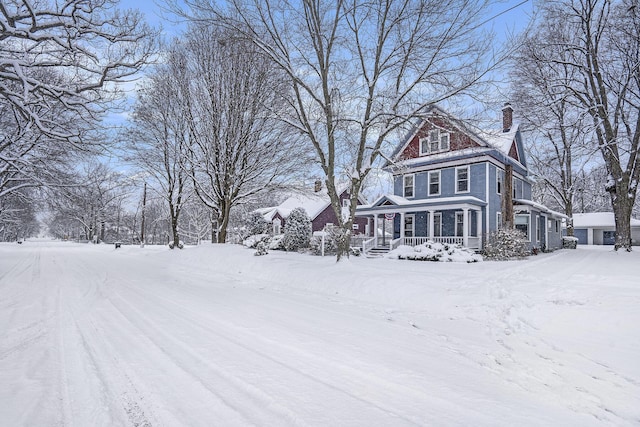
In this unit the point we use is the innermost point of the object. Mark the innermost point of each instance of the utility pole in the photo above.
(144, 205)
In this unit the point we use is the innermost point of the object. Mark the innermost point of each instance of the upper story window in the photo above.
(435, 142)
(434, 183)
(408, 185)
(462, 179)
(499, 180)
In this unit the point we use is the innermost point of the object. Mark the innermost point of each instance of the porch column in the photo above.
(402, 226)
(375, 227)
(431, 227)
(479, 227)
(465, 227)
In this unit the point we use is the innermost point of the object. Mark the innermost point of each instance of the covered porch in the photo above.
(414, 222)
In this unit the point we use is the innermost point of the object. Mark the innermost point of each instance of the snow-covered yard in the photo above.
(214, 336)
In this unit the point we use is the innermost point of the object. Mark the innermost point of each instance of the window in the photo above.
(550, 224)
(434, 142)
(277, 226)
(444, 142)
(408, 185)
(538, 229)
(499, 178)
(522, 224)
(345, 203)
(409, 221)
(355, 226)
(462, 179)
(459, 224)
(437, 224)
(557, 224)
(434, 183)
(498, 220)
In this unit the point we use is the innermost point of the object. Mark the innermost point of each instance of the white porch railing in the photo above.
(395, 243)
(472, 242)
(367, 245)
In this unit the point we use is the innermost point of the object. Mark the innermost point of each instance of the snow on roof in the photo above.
(598, 219)
(402, 201)
(501, 140)
(539, 207)
(312, 202)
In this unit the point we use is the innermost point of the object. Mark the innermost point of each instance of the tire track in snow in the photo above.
(350, 376)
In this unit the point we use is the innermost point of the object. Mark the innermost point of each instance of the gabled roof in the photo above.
(598, 219)
(486, 140)
(314, 203)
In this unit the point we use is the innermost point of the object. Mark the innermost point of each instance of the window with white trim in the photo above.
(408, 185)
(437, 224)
(409, 224)
(499, 180)
(498, 220)
(459, 224)
(522, 223)
(355, 226)
(435, 142)
(434, 183)
(462, 179)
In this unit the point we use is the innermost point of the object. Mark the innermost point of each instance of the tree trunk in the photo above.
(622, 208)
(507, 198)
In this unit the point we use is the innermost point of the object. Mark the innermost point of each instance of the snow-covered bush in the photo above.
(256, 224)
(431, 251)
(297, 230)
(180, 245)
(569, 242)
(252, 241)
(262, 248)
(506, 243)
(275, 244)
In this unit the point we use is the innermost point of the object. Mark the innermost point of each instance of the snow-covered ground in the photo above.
(215, 336)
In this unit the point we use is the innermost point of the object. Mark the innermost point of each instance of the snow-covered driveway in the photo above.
(213, 336)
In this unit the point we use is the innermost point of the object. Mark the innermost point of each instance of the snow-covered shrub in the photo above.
(569, 242)
(297, 230)
(262, 248)
(506, 243)
(431, 251)
(256, 224)
(252, 241)
(275, 244)
(180, 245)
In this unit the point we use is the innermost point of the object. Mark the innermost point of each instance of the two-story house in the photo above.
(449, 185)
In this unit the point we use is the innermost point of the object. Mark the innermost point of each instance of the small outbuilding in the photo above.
(599, 228)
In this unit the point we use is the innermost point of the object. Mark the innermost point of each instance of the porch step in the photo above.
(378, 251)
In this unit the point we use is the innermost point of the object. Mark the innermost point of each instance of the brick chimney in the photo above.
(507, 117)
(317, 186)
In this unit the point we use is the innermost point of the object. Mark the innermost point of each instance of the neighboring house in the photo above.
(599, 228)
(317, 204)
(448, 185)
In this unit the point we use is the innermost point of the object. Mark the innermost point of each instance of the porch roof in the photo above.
(391, 203)
(539, 207)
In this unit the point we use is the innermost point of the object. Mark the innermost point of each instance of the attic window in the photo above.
(434, 142)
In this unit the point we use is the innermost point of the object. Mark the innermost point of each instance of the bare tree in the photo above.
(159, 137)
(359, 71)
(61, 64)
(237, 150)
(561, 139)
(92, 204)
(599, 42)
